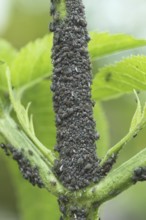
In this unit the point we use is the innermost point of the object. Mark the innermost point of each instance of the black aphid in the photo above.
(29, 172)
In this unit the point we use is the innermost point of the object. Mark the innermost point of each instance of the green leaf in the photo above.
(121, 78)
(32, 63)
(102, 128)
(104, 43)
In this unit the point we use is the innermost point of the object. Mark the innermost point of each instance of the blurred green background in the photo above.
(22, 21)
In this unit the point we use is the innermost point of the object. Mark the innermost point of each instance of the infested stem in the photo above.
(23, 146)
(77, 166)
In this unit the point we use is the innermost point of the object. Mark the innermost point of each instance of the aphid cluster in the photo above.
(30, 173)
(77, 165)
(139, 174)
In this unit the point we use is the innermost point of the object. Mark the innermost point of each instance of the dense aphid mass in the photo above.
(76, 135)
(30, 173)
(139, 174)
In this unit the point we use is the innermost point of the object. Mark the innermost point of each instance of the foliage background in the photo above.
(22, 21)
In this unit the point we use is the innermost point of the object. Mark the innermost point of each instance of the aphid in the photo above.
(88, 166)
(80, 161)
(52, 9)
(56, 17)
(87, 38)
(52, 87)
(108, 77)
(2, 145)
(58, 120)
(52, 26)
(30, 152)
(97, 136)
(58, 70)
(135, 135)
(5, 148)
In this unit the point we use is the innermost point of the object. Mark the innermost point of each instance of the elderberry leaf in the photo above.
(121, 78)
(105, 43)
(32, 63)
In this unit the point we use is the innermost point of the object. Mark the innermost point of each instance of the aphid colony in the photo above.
(28, 171)
(78, 164)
